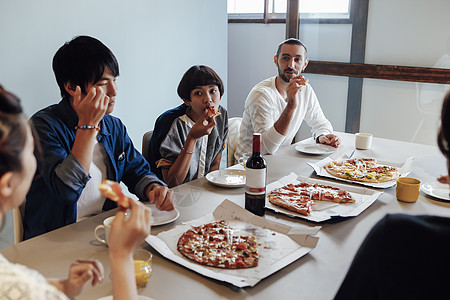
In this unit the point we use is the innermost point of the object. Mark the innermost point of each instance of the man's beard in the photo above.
(281, 74)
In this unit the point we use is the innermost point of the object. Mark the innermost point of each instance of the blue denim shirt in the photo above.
(52, 200)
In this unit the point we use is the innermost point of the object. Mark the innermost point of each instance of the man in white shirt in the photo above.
(277, 106)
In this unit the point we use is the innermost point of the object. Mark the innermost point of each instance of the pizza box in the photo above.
(280, 244)
(404, 169)
(324, 210)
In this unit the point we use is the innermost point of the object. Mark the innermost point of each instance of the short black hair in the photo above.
(198, 76)
(13, 132)
(291, 41)
(443, 138)
(82, 61)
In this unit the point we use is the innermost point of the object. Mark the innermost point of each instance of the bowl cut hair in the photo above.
(198, 76)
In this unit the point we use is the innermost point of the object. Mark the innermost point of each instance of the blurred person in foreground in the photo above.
(17, 168)
(277, 106)
(82, 144)
(404, 256)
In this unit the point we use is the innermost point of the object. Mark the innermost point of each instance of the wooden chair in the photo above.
(145, 142)
(234, 125)
(18, 222)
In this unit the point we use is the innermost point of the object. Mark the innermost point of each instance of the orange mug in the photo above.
(408, 189)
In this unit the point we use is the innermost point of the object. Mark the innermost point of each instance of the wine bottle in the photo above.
(256, 177)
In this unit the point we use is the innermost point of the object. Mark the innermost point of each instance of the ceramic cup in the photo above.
(408, 189)
(363, 141)
(142, 266)
(106, 227)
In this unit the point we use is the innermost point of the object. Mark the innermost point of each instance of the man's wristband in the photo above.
(317, 138)
(96, 127)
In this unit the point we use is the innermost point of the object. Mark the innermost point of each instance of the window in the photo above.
(309, 9)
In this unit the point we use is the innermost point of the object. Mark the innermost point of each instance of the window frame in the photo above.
(306, 18)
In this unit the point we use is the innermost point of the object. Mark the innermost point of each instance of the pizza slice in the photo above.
(112, 190)
(303, 80)
(212, 112)
(300, 80)
(300, 197)
(298, 204)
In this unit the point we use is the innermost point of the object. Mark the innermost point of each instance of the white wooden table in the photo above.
(317, 275)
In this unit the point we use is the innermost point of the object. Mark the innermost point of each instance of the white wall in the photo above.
(154, 41)
(410, 33)
(401, 32)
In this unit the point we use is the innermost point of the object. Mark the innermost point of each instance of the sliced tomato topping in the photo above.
(241, 246)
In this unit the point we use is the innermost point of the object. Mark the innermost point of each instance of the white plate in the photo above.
(140, 297)
(317, 149)
(227, 178)
(437, 190)
(160, 217)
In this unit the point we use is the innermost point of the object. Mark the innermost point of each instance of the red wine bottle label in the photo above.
(255, 181)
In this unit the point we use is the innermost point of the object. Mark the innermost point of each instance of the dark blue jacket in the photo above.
(52, 200)
(162, 126)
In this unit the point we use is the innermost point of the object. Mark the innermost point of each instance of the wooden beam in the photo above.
(283, 20)
(266, 11)
(358, 14)
(292, 19)
(388, 72)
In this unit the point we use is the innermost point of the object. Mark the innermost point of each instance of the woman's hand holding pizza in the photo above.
(203, 126)
(128, 233)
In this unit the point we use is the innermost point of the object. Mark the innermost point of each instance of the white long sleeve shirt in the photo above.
(263, 108)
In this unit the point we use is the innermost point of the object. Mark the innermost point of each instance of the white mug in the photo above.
(107, 227)
(363, 141)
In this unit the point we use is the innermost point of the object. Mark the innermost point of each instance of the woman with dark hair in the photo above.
(17, 168)
(187, 143)
(404, 256)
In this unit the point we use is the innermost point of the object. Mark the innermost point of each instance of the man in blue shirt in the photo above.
(83, 144)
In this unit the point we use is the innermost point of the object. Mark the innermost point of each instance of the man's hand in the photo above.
(92, 107)
(292, 90)
(329, 139)
(79, 273)
(443, 179)
(162, 195)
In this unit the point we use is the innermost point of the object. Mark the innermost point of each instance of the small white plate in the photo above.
(160, 217)
(140, 297)
(227, 178)
(316, 149)
(437, 190)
